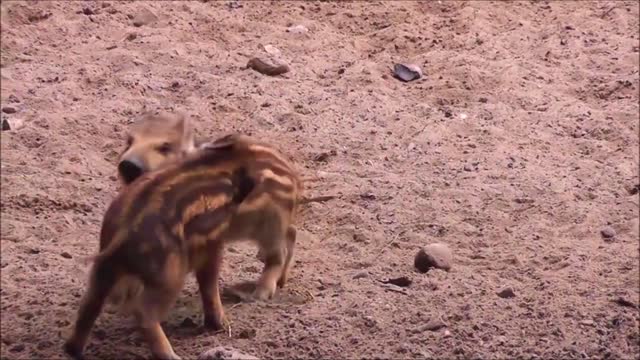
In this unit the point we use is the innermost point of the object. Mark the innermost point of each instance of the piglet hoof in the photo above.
(73, 351)
(214, 323)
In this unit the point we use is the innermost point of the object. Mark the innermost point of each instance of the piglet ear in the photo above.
(183, 126)
(146, 114)
(225, 142)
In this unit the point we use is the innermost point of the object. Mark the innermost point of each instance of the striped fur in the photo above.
(176, 220)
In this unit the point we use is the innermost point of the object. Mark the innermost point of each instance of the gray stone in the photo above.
(270, 67)
(608, 232)
(434, 255)
(6, 125)
(506, 293)
(407, 72)
(297, 29)
(9, 110)
(144, 17)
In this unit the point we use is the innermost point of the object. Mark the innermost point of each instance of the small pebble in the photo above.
(66, 255)
(44, 344)
(401, 281)
(144, 17)
(506, 293)
(434, 255)
(633, 190)
(407, 72)
(468, 167)
(513, 260)
(13, 124)
(272, 50)
(361, 275)
(266, 67)
(5, 74)
(403, 349)
(9, 110)
(368, 196)
(225, 353)
(39, 16)
(624, 302)
(297, 29)
(434, 324)
(323, 156)
(247, 333)
(394, 288)
(187, 323)
(234, 5)
(370, 321)
(587, 322)
(360, 238)
(608, 232)
(17, 348)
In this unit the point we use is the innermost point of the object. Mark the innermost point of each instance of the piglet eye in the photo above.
(164, 148)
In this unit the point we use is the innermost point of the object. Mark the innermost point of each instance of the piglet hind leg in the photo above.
(208, 276)
(273, 267)
(154, 307)
(101, 281)
(291, 242)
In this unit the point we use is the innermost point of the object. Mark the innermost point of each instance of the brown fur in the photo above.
(176, 220)
(155, 139)
(147, 136)
(153, 129)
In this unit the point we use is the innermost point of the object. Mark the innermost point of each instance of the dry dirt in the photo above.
(516, 149)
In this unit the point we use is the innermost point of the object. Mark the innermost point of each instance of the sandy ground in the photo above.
(516, 149)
